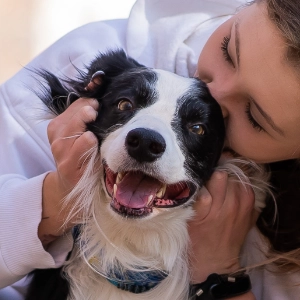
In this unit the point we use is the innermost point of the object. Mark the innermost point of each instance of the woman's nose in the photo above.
(205, 78)
(208, 81)
(223, 93)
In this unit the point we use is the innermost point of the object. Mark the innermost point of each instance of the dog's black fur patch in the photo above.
(48, 284)
(205, 110)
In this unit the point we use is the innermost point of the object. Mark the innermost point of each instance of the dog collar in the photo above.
(132, 281)
(136, 282)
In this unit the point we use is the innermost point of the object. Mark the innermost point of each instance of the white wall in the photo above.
(60, 16)
(29, 26)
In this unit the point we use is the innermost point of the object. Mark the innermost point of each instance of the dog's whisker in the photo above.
(104, 235)
(88, 154)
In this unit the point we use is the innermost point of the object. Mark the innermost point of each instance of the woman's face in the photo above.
(245, 67)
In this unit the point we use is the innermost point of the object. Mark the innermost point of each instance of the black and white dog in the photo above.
(160, 138)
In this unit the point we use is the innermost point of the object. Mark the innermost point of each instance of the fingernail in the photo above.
(95, 103)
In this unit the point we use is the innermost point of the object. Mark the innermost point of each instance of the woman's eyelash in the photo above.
(224, 48)
(252, 121)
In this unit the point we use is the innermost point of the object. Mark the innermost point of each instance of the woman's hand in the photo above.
(69, 142)
(224, 215)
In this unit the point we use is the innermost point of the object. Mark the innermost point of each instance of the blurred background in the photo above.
(27, 27)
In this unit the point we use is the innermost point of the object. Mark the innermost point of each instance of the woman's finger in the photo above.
(77, 105)
(202, 205)
(77, 124)
(242, 197)
(73, 121)
(81, 150)
(217, 187)
(68, 135)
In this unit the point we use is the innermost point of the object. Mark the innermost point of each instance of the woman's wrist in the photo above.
(52, 221)
(221, 286)
(200, 274)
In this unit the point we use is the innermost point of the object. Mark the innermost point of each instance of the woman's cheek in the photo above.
(245, 145)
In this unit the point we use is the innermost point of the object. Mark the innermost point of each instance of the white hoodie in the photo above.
(165, 34)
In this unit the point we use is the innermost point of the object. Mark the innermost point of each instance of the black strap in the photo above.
(221, 287)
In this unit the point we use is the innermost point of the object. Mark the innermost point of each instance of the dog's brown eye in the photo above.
(125, 105)
(197, 129)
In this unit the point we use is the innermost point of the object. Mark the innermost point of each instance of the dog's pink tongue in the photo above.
(135, 188)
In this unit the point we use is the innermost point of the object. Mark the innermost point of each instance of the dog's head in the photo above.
(160, 134)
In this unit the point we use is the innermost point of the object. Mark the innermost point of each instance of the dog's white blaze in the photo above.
(170, 88)
(157, 117)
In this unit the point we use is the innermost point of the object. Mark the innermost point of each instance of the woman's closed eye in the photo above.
(252, 121)
(224, 48)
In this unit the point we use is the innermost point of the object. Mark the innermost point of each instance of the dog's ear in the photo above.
(112, 63)
(59, 93)
(53, 93)
(101, 72)
(96, 81)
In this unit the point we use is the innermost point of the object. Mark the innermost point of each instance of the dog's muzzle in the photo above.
(135, 194)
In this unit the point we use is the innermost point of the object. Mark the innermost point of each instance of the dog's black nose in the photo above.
(145, 145)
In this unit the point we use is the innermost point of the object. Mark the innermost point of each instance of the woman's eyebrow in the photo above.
(268, 119)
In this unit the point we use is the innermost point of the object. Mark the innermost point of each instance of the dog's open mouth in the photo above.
(135, 194)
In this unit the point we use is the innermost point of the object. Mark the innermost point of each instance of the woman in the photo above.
(240, 62)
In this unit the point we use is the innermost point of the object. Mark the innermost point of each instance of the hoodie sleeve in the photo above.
(25, 156)
(20, 213)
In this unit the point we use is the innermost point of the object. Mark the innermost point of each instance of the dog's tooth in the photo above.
(150, 198)
(162, 191)
(159, 194)
(120, 176)
(115, 189)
